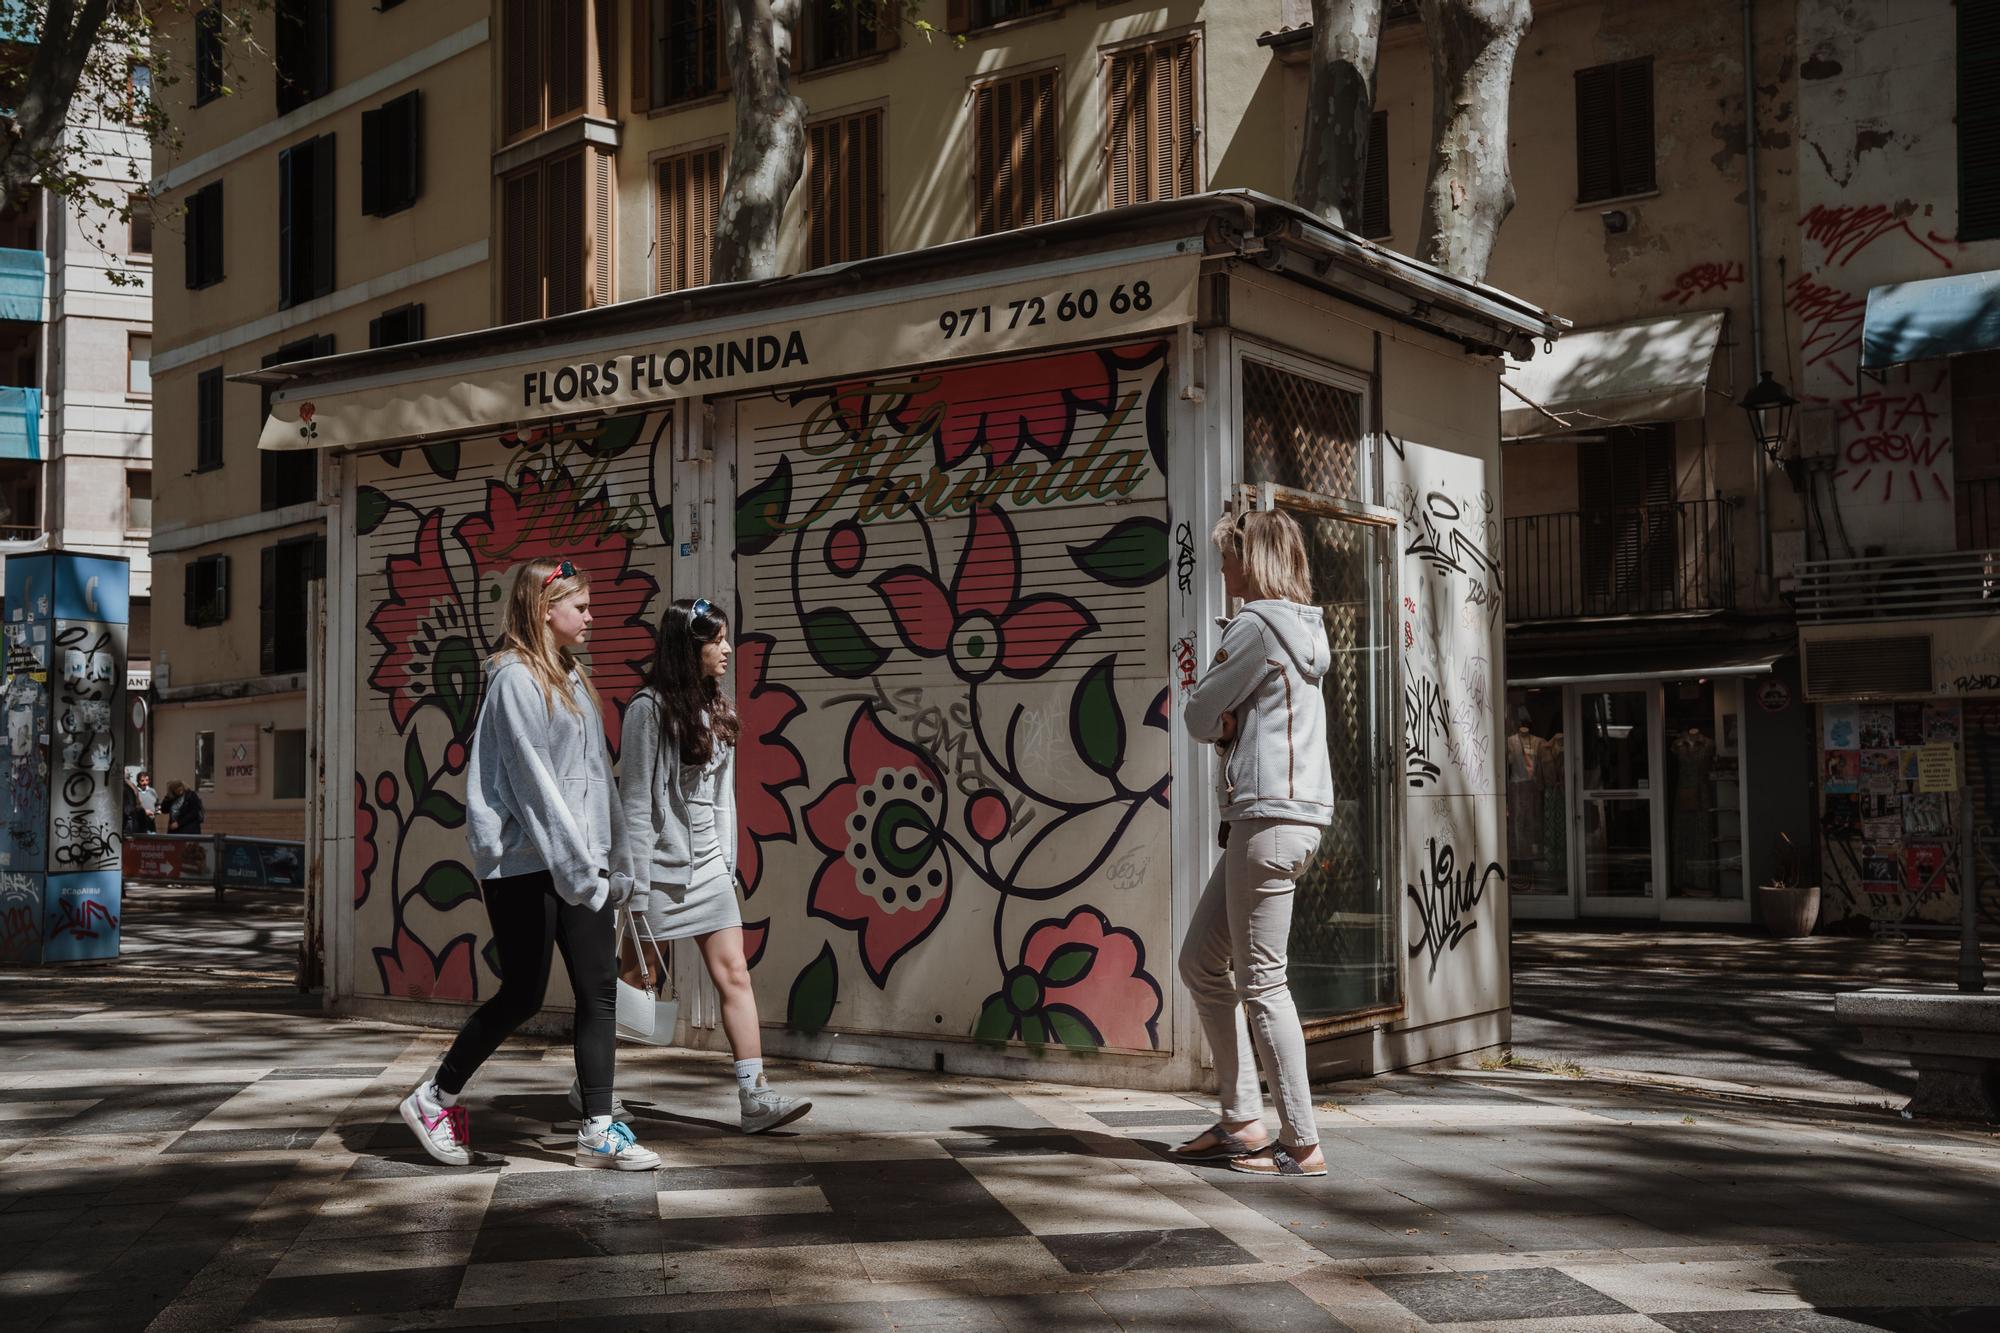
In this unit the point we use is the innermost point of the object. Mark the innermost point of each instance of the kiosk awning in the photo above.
(1647, 370)
(1924, 321)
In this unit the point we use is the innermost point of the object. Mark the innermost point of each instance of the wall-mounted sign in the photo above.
(239, 759)
(1773, 695)
(1937, 767)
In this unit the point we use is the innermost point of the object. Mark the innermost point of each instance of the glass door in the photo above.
(1616, 809)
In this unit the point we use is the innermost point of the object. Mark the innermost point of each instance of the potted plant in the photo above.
(1788, 907)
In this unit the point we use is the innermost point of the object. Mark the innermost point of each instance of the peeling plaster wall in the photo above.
(1878, 203)
(1686, 244)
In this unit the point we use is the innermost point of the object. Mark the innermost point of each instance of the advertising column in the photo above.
(63, 752)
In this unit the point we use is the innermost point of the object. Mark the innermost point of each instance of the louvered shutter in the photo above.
(1978, 120)
(1635, 126)
(375, 176)
(670, 223)
(565, 209)
(521, 241)
(818, 205)
(1375, 179)
(689, 192)
(319, 47)
(566, 44)
(322, 215)
(1162, 102)
(1596, 136)
(289, 279)
(193, 240)
(212, 234)
(208, 419)
(1118, 131)
(888, 30)
(603, 74)
(642, 56)
(191, 594)
(985, 157)
(869, 234)
(521, 67)
(1187, 121)
(1046, 147)
(958, 16)
(602, 207)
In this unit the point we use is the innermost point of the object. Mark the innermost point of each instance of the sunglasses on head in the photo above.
(563, 570)
(702, 607)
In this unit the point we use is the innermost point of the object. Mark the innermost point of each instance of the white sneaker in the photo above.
(444, 1131)
(764, 1109)
(618, 1111)
(614, 1150)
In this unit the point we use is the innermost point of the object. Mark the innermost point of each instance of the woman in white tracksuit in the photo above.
(1260, 703)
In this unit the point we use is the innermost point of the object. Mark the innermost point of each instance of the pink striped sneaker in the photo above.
(444, 1131)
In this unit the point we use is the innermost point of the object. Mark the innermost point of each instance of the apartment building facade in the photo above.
(75, 380)
(332, 196)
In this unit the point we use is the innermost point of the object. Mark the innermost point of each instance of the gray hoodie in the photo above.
(539, 789)
(654, 787)
(1267, 672)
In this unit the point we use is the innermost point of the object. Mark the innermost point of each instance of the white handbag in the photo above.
(643, 1015)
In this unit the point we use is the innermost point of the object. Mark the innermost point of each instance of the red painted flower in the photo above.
(552, 519)
(1081, 983)
(756, 934)
(982, 623)
(997, 409)
(410, 971)
(364, 840)
(887, 873)
(423, 608)
(766, 763)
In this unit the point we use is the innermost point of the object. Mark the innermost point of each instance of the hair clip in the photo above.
(563, 570)
(702, 607)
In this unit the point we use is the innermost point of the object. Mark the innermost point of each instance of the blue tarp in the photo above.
(15, 25)
(1928, 320)
(21, 275)
(20, 423)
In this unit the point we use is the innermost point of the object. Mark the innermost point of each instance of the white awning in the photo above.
(1622, 374)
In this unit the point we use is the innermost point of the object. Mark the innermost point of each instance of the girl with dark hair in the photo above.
(679, 794)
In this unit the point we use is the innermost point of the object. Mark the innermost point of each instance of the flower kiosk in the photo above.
(958, 499)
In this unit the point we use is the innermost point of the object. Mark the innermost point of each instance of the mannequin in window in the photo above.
(1554, 779)
(1524, 792)
(1693, 812)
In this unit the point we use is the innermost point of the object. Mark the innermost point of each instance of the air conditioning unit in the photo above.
(1884, 667)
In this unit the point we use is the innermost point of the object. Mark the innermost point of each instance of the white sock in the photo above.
(433, 1093)
(597, 1126)
(747, 1072)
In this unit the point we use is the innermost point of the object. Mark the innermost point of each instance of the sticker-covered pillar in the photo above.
(63, 751)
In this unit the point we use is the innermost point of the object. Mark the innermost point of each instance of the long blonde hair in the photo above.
(1273, 552)
(525, 632)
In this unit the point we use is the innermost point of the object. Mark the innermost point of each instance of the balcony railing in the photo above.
(1636, 560)
(21, 276)
(1896, 587)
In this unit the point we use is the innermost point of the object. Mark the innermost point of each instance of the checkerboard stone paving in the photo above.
(240, 1170)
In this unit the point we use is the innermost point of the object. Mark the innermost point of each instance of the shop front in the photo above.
(958, 500)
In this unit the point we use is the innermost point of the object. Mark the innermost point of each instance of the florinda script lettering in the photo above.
(1446, 898)
(865, 463)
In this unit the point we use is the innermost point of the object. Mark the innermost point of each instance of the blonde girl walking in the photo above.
(548, 843)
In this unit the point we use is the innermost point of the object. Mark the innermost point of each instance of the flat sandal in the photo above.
(1226, 1146)
(1282, 1163)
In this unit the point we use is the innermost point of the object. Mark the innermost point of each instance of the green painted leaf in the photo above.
(1033, 1034)
(443, 458)
(839, 645)
(617, 435)
(1070, 963)
(996, 1021)
(442, 808)
(1071, 1031)
(415, 770)
(814, 993)
(446, 885)
(1131, 555)
(370, 508)
(1096, 725)
(763, 509)
(455, 679)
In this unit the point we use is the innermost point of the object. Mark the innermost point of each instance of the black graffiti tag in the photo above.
(1423, 725)
(1446, 899)
(1184, 558)
(1447, 549)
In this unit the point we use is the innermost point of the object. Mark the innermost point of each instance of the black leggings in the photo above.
(529, 921)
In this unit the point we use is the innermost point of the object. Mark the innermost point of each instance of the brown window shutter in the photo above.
(958, 16)
(1009, 100)
(817, 190)
(603, 57)
(1375, 179)
(717, 38)
(1187, 121)
(1635, 126)
(888, 34)
(603, 205)
(1164, 145)
(1596, 135)
(521, 241)
(871, 185)
(848, 189)
(670, 189)
(689, 194)
(985, 158)
(642, 56)
(1047, 149)
(521, 66)
(1118, 126)
(706, 192)
(568, 57)
(565, 234)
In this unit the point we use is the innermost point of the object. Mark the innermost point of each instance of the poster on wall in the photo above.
(1878, 726)
(1941, 722)
(1841, 727)
(1909, 724)
(1843, 771)
(1924, 863)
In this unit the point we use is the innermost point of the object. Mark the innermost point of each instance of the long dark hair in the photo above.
(693, 708)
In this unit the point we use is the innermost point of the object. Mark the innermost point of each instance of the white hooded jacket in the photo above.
(1268, 670)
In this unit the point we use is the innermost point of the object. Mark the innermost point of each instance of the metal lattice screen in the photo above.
(1342, 950)
(1300, 432)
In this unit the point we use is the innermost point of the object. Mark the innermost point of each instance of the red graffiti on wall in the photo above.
(1185, 665)
(1703, 279)
(1846, 231)
(1829, 323)
(1893, 433)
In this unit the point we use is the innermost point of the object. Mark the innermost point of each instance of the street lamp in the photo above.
(1770, 407)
